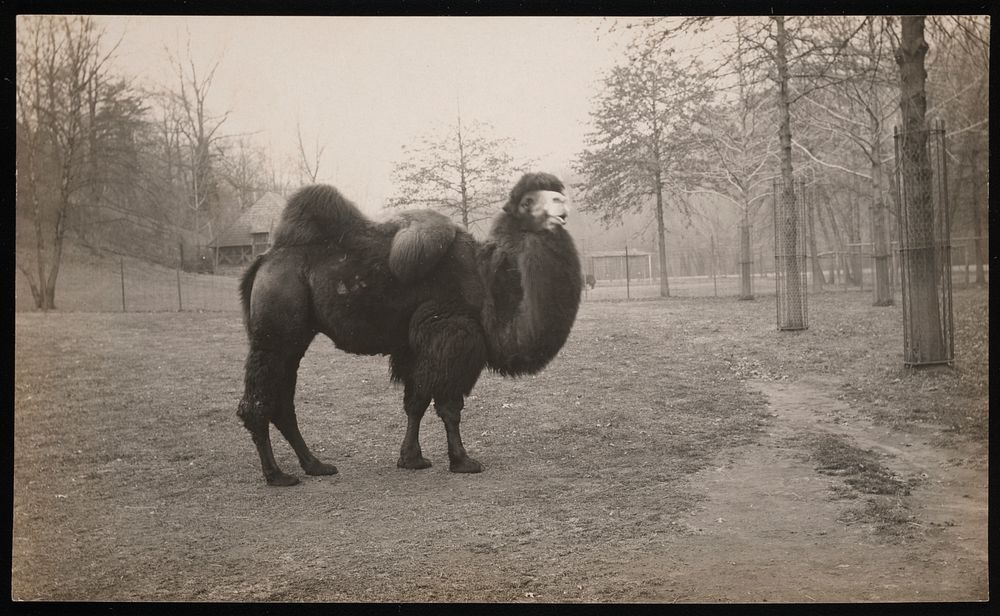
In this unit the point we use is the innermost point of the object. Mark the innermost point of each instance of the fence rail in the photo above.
(97, 281)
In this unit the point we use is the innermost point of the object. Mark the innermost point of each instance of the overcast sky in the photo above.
(366, 86)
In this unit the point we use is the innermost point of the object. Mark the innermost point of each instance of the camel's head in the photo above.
(538, 201)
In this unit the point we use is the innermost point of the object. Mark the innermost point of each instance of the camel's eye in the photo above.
(527, 203)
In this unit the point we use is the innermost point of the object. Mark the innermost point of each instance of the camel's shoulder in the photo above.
(422, 238)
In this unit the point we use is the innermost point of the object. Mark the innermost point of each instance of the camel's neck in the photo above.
(533, 292)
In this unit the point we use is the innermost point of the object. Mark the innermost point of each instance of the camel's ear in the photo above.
(423, 238)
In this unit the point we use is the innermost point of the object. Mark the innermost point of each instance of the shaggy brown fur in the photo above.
(421, 241)
(416, 288)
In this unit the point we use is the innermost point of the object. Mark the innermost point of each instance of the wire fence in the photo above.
(849, 270)
(95, 280)
(99, 280)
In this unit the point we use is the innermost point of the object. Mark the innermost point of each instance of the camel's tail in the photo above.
(246, 286)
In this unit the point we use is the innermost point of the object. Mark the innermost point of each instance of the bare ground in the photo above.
(676, 451)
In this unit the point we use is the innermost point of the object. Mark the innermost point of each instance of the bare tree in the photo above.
(856, 108)
(244, 169)
(922, 264)
(166, 153)
(789, 54)
(639, 148)
(200, 131)
(958, 87)
(62, 81)
(788, 240)
(276, 177)
(308, 164)
(813, 75)
(464, 171)
(736, 138)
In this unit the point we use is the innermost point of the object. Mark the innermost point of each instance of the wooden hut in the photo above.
(250, 235)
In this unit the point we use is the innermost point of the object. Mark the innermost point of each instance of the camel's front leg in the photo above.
(450, 412)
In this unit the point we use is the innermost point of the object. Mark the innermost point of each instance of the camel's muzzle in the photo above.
(556, 212)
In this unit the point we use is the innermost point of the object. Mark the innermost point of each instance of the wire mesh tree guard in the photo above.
(790, 255)
(925, 246)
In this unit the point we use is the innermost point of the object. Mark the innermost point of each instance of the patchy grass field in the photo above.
(95, 281)
(678, 450)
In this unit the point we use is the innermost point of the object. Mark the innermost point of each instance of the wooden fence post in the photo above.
(180, 264)
(121, 261)
(715, 284)
(628, 291)
(845, 273)
(965, 258)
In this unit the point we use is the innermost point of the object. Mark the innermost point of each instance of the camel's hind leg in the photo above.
(280, 332)
(264, 387)
(285, 420)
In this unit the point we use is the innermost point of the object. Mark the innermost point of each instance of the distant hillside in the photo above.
(91, 281)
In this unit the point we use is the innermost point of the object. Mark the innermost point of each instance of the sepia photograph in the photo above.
(501, 309)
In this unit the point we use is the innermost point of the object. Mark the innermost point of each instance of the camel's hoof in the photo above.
(413, 463)
(466, 465)
(320, 468)
(281, 480)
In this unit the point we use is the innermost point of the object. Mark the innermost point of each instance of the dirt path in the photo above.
(771, 528)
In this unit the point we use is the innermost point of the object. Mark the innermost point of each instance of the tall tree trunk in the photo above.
(49, 286)
(979, 198)
(661, 238)
(838, 237)
(794, 317)
(818, 210)
(817, 269)
(854, 234)
(977, 222)
(882, 287)
(465, 203)
(926, 341)
(882, 292)
(746, 283)
(463, 186)
(38, 292)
